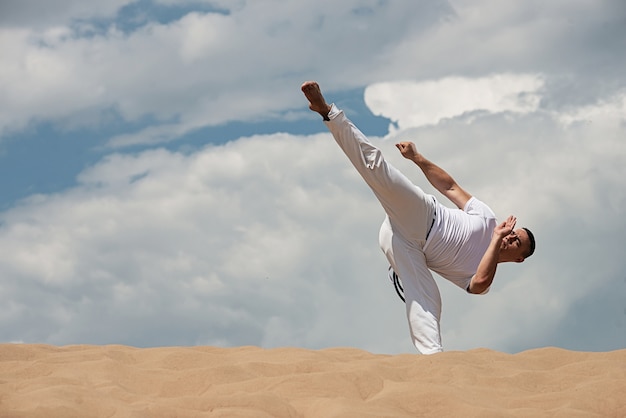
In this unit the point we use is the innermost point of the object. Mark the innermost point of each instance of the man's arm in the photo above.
(438, 177)
(488, 264)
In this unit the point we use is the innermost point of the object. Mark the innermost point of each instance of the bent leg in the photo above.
(421, 294)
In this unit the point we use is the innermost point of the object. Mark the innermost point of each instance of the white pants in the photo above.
(403, 233)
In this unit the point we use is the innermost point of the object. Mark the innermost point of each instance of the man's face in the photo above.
(515, 245)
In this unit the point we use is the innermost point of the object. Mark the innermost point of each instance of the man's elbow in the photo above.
(479, 285)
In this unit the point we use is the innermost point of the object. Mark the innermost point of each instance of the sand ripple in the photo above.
(118, 381)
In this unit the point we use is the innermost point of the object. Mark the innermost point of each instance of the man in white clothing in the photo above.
(419, 234)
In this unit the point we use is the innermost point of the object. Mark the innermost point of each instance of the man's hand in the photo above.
(408, 150)
(505, 228)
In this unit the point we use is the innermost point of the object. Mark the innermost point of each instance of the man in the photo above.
(419, 234)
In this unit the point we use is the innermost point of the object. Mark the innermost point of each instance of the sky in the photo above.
(163, 183)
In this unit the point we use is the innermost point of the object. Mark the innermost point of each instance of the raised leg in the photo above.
(408, 207)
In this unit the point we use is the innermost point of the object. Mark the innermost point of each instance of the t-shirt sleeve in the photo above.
(477, 207)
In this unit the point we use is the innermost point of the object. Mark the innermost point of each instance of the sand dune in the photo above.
(119, 381)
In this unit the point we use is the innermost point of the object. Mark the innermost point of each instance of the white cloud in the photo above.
(211, 68)
(414, 104)
(610, 111)
(203, 69)
(210, 246)
(43, 14)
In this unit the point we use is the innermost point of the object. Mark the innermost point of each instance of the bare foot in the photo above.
(313, 94)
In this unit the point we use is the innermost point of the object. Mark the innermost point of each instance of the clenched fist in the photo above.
(408, 150)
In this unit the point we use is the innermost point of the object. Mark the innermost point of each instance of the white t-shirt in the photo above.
(458, 240)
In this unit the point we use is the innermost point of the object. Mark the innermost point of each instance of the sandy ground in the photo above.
(118, 381)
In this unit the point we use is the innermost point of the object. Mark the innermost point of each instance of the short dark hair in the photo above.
(531, 238)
